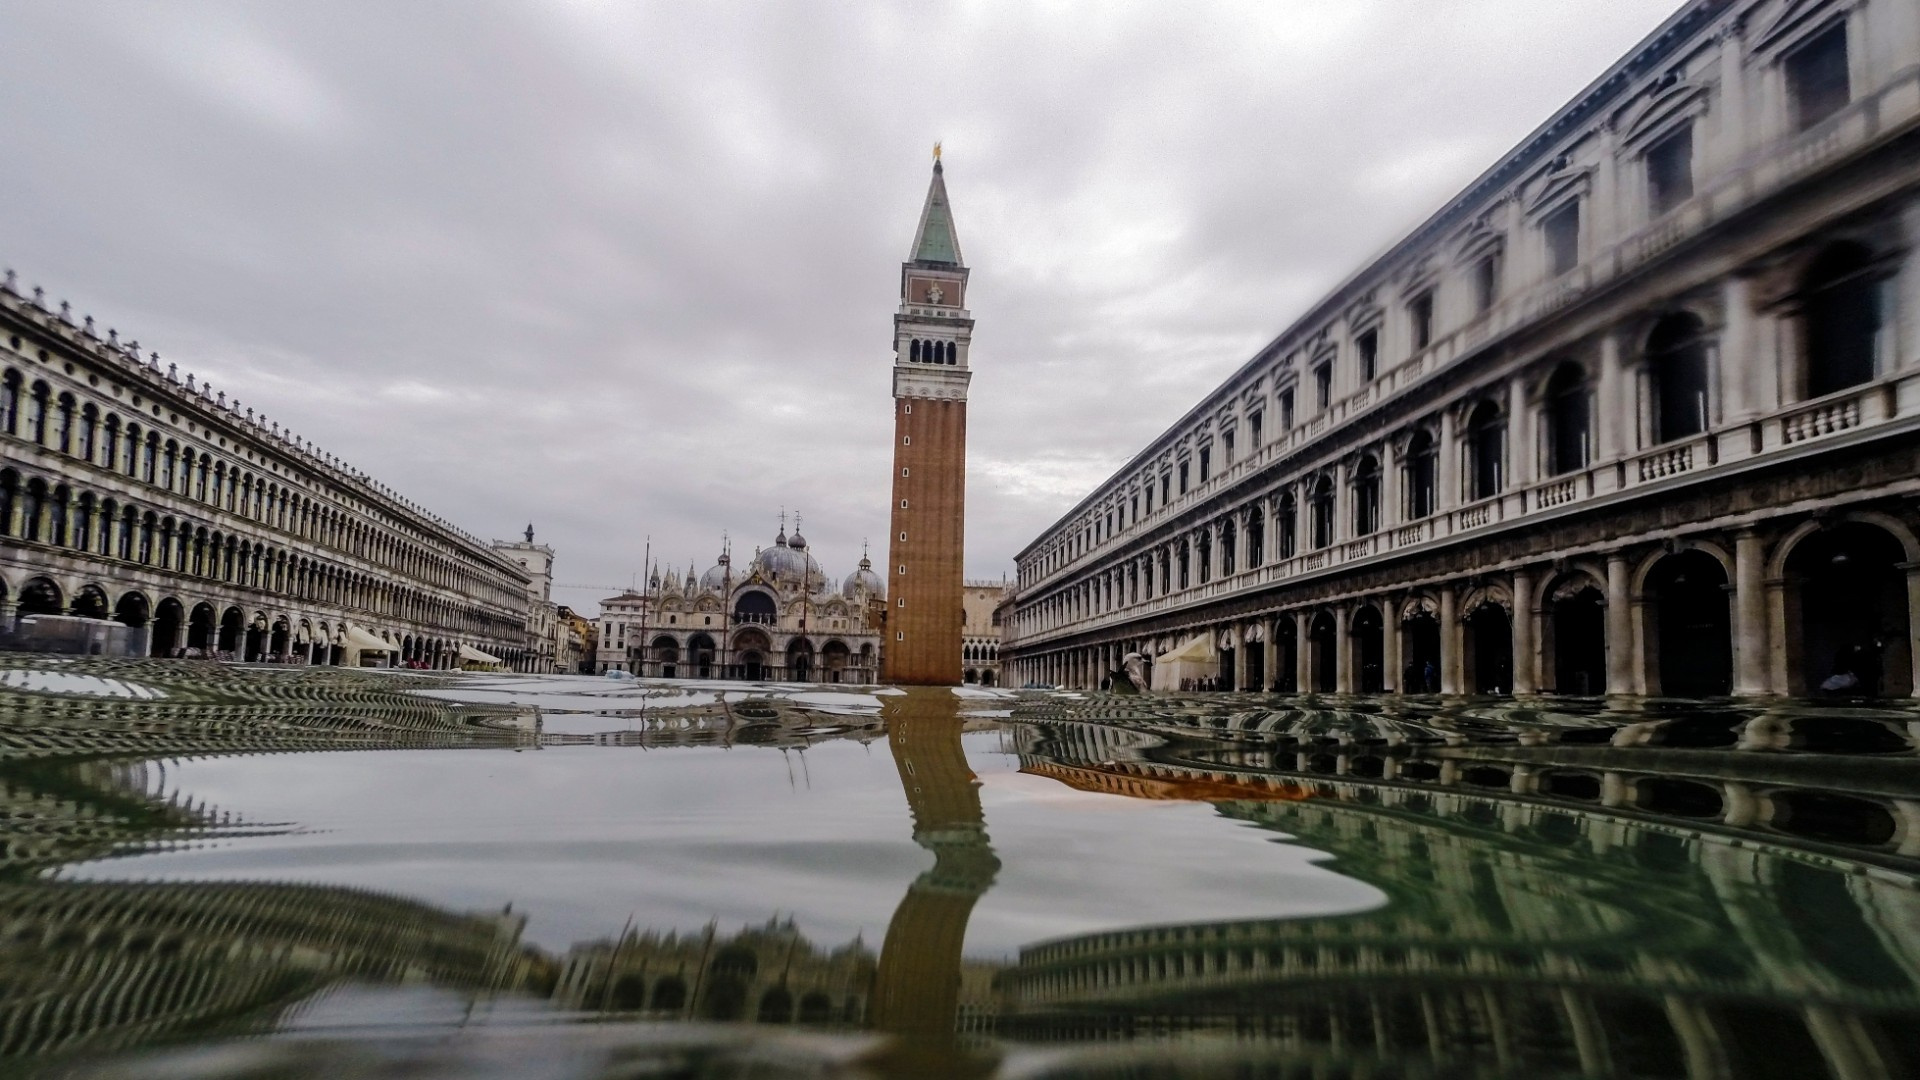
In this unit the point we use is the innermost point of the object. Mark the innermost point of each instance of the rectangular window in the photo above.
(1286, 410)
(1486, 282)
(1135, 506)
(1183, 478)
(1206, 464)
(1253, 431)
(1561, 229)
(1420, 312)
(1368, 345)
(1670, 171)
(1817, 77)
(1323, 385)
(1166, 495)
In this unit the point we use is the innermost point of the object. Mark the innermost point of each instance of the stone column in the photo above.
(1450, 643)
(1302, 655)
(1735, 352)
(1611, 431)
(1241, 647)
(1390, 645)
(1621, 677)
(1524, 666)
(1270, 642)
(1749, 614)
(1343, 652)
(1913, 624)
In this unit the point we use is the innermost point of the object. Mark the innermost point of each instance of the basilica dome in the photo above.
(720, 577)
(863, 580)
(787, 563)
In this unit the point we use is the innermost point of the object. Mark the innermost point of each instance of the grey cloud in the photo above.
(628, 270)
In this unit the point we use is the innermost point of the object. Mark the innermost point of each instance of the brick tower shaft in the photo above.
(926, 565)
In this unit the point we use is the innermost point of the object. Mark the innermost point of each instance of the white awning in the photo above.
(366, 642)
(1197, 651)
(468, 652)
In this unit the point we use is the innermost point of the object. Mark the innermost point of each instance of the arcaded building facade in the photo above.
(128, 492)
(933, 334)
(778, 618)
(1636, 412)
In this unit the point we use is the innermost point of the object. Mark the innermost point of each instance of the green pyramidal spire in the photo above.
(935, 240)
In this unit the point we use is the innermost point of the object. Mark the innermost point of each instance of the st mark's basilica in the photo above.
(778, 617)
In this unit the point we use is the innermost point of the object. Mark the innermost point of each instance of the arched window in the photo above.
(37, 413)
(89, 427)
(1486, 450)
(1166, 571)
(1844, 319)
(1186, 564)
(1569, 429)
(1366, 497)
(913, 351)
(1228, 534)
(1256, 540)
(1206, 556)
(1423, 461)
(1321, 505)
(131, 466)
(110, 453)
(1289, 516)
(10, 403)
(1677, 359)
(63, 425)
(150, 459)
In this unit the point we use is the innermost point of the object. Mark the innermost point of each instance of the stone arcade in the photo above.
(1637, 412)
(127, 492)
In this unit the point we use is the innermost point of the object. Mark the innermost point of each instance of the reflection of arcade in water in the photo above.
(1615, 893)
(1596, 908)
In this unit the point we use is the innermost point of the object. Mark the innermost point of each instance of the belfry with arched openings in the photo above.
(1636, 412)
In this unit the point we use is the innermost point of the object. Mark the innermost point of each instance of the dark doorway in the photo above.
(90, 603)
(231, 624)
(1852, 600)
(132, 610)
(1490, 646)
(39, 597)
(1226, 682)
(1694, 637)
(1369, 645)
(1421, 673)
(1322, 644)
(1256, 666)
(200, 628)
(1580, 642)
(166, 626)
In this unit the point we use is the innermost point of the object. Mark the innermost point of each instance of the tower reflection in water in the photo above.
(1565, 899)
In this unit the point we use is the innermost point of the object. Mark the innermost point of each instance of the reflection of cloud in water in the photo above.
(579, 838)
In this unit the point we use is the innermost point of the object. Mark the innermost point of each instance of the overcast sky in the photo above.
(625, 269)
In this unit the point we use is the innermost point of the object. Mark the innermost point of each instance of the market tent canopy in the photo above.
(1198, 650)
(468, 652)
(365, 642)
(1197, 659)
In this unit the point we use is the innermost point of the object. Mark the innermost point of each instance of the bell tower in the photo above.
(925, 568)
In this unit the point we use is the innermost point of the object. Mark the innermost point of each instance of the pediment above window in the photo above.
(1559, 188)
(1793, 22)
(1666, 108)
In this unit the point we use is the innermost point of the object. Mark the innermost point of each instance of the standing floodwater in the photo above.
(386, 874)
